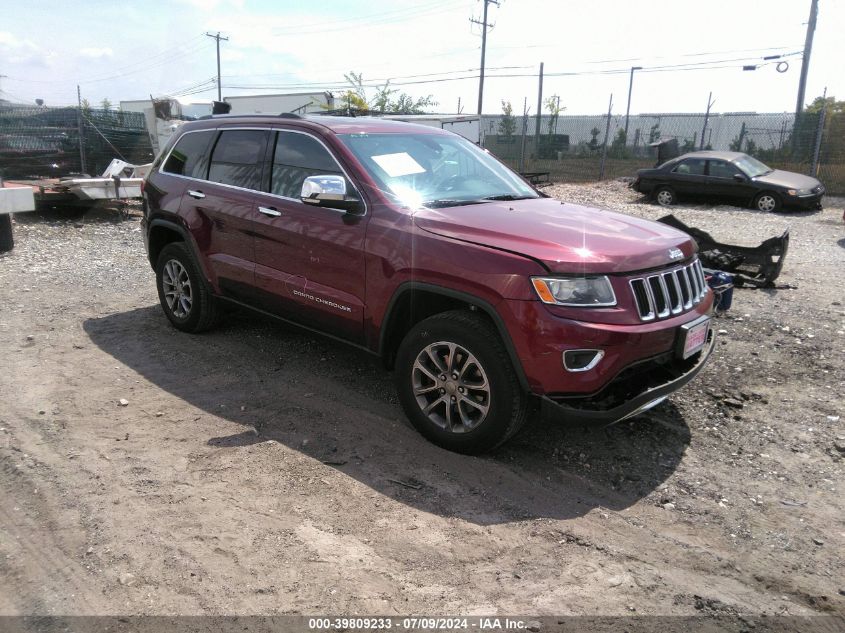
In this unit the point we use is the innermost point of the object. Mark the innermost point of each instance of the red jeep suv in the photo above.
(483, 294)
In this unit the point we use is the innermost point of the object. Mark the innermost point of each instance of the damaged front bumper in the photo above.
(756, 266)
(635, 390)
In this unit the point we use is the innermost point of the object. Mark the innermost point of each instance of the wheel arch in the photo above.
(161, 233)
(414, 301)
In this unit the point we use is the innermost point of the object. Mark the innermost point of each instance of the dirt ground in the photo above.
(259, 469)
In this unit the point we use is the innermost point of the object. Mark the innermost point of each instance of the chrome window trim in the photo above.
(266, 193)
(172, 147)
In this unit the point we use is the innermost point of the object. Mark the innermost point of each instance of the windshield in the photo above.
(752, 167)
(435, 170)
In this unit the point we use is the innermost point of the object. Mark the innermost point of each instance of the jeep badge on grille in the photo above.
(675, 253)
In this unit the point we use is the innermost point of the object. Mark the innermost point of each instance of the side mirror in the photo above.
(739, 178)
(329, 191)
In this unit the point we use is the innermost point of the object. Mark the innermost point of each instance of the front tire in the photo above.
(185, 297)
(665, 196)
(457, 385)
(768, 202)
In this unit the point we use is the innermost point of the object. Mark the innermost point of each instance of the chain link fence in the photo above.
(38, 142)
(592, 147)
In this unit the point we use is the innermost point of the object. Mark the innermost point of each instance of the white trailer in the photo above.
(467, 125)
(300, 103)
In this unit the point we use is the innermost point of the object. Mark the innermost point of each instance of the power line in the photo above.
(383, 17)
(710, 65)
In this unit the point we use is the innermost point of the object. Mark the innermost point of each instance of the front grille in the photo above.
(669, 292)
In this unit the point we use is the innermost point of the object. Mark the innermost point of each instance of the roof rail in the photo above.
(283, 115)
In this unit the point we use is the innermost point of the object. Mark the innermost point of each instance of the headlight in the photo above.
(791, 192)
(805, 192)
(585, 292)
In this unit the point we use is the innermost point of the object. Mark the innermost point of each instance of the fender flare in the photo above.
(186, 237)
(472, 300)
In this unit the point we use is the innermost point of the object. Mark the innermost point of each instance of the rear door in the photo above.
(688, 177)
(187, 161)
(309, 260)
(222, 208)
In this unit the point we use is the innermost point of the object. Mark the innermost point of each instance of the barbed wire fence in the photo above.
(573, 148)
(38, 141)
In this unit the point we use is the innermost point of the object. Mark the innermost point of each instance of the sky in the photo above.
(686, 48)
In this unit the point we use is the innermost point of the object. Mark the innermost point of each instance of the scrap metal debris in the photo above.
(757, 266)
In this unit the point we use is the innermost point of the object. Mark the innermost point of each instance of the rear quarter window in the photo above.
(189, 156)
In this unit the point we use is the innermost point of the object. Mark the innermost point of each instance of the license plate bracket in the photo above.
(692, 337)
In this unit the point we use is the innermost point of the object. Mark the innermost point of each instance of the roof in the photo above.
(728, 156)
(337, 124)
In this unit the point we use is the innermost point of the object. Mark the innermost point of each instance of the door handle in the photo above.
(199, 195)
(271, 211)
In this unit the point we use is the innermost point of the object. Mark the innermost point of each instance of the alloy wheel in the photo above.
(176, 285)
(665, 197)
(451, 387)
(766, 203)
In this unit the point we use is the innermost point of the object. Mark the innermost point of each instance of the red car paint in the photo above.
(343, 274)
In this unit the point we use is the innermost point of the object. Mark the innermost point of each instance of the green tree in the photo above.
(385, 100)
(507, 124)
(617, 146)
(594, 141)
(553, 106)
(105, 104)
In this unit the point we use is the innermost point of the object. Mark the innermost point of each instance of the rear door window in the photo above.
(691, 167)
(190, 155)
(236, 159)
(296, 157)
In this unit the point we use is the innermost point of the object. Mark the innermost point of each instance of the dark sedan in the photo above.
(729, 176)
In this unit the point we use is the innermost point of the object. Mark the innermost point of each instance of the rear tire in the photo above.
(767, 201)
(665, 196)
(184, 295)
(457, 385)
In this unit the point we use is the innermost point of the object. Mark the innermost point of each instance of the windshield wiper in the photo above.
(436, 204)
(507, 197)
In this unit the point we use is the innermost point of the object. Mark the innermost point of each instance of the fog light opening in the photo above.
(581, 359)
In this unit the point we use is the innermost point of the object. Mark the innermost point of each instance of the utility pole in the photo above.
(710, 103)
(606, 134)
(218, 37)
(539, 115)
(3, 77)
(805, 60)
(524, 132)
(81, 130)
(628, 109)
(484, 27)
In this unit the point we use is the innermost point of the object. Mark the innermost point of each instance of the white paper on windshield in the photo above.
(399, 164)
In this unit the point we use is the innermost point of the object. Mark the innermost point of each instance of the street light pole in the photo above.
(628, 109)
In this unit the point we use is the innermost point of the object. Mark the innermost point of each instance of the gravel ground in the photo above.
(262, 470)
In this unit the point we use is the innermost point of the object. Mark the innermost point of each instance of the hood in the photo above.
(787, 180)
(567, 238)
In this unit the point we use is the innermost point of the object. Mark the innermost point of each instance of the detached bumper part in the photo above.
(637, 389)
(756, 266)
